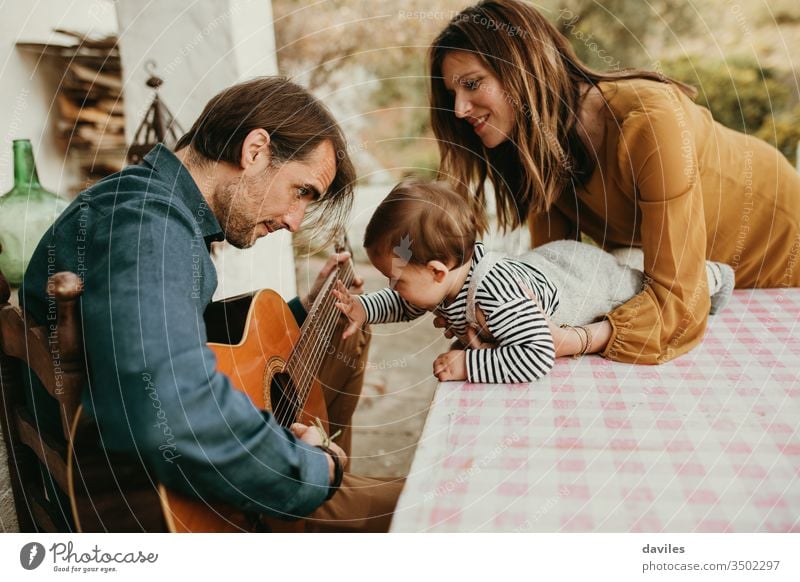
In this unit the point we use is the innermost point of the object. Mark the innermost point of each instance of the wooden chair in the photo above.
(110, 492)
(34, 456)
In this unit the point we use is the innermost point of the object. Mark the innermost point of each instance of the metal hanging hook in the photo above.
(150, 66)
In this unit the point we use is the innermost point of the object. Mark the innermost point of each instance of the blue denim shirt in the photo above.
(140, 241)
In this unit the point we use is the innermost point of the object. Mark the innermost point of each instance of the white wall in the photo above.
(27, 100)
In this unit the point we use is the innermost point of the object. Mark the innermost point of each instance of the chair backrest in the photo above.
(62, 478)
(53, 353)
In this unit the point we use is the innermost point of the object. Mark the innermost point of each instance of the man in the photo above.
(261, 154)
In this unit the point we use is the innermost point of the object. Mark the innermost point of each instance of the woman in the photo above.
(626, 158)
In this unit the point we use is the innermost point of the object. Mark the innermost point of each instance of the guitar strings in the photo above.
(323, 320)
(308, 340)
(342, 244)
(300, 352)
(310, 329)
(320, 325)
(331, 319)
(327, 324)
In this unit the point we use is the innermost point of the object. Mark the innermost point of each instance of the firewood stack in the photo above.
(91, 121)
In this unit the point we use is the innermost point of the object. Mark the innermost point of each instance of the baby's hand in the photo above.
(351, 307)
(451, 366)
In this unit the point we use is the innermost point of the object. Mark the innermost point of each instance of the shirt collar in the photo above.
(477, 255)
(172, 171)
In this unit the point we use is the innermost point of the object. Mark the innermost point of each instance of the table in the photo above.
(705, 443)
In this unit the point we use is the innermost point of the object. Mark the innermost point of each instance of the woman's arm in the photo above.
(570, 341)
(657, 150)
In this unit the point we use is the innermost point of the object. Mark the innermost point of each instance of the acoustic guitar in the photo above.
(259, 346)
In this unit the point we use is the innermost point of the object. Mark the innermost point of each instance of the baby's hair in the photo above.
(428, 218)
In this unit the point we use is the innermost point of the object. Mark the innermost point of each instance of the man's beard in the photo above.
(238, 227)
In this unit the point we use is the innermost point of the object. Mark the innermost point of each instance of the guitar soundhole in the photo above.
(283, 396)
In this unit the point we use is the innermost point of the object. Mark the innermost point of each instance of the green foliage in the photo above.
(422, 163)
(744, 96)
(740, 95)
(783, 131)
(616, 34)
(779, 12)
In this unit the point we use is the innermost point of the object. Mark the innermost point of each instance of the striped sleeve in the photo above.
(531, 277)
(386, 306)
(525, 350)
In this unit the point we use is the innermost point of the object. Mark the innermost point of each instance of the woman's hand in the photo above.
(356, 287)
(351, 307)
(451, 366)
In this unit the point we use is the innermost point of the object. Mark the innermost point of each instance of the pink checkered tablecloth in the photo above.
(706, 443)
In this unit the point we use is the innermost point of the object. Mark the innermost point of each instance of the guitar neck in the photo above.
(316, 334)
(325, 301)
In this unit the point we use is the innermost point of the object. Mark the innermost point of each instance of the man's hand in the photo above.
(351, 307)
(330, 265)
(311, 436)
(451, 366)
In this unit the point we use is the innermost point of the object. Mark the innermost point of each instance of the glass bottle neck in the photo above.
(25, 174)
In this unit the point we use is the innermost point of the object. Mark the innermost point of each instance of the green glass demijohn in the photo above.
(25, 213)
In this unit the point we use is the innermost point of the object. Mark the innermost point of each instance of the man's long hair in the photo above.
(297, 122)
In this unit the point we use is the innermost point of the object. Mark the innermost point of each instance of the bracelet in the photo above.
(584, 340)
(580, 339)
(589, 338)
(338, 471)
(326, 440)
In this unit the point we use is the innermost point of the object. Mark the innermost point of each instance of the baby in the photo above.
(422, 237)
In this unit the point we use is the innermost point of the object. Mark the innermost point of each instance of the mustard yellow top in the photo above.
(684, 188)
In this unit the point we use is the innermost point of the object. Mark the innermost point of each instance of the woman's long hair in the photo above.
(541, 76)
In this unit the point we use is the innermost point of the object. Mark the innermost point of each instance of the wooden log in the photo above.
(115, 106)
(106, 43)
(92, 77)
(101, 139)
(103, 119)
